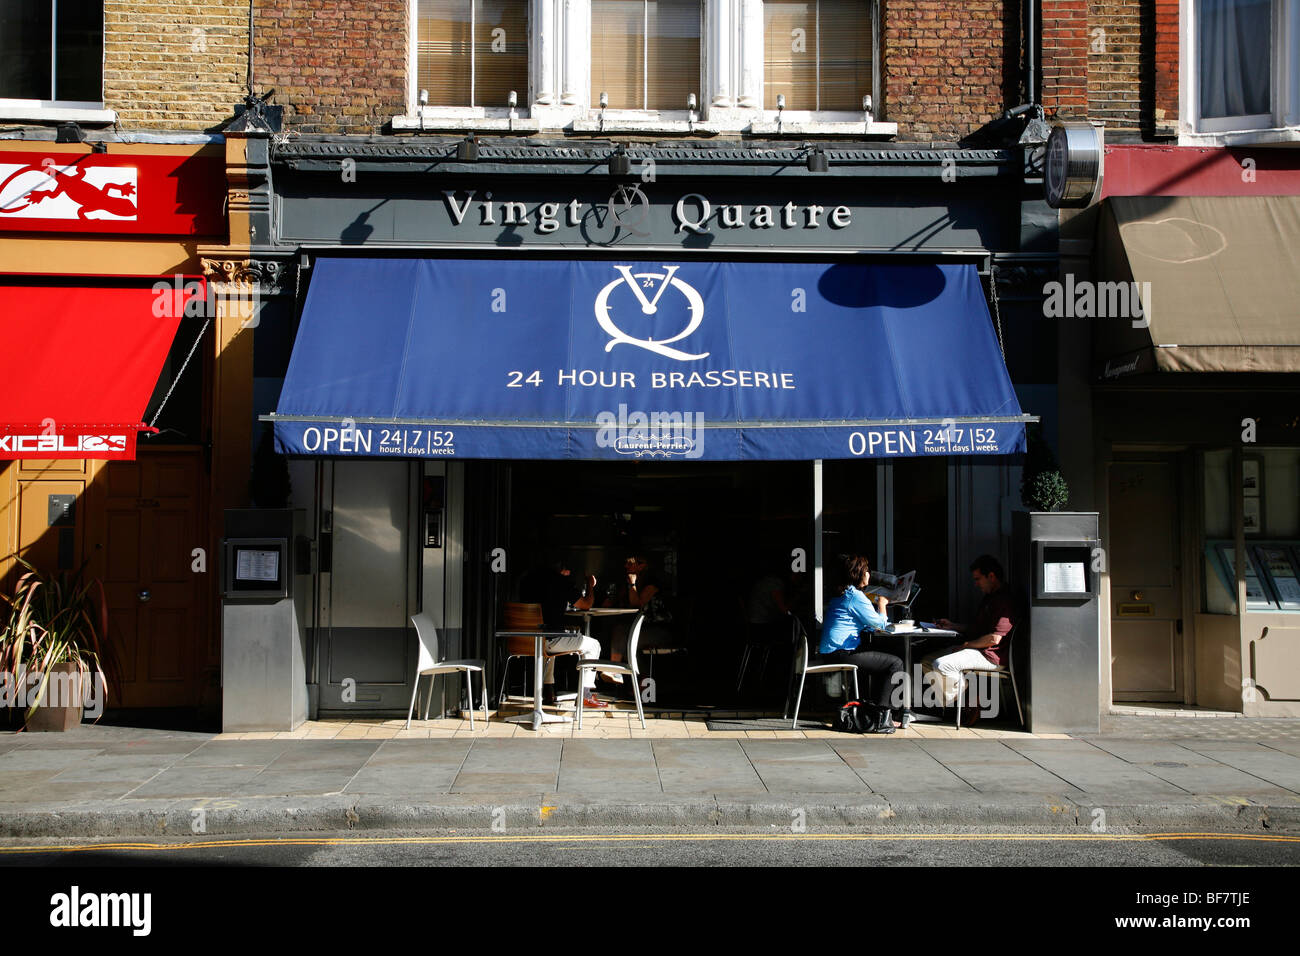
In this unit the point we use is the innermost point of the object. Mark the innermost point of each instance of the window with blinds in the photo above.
(472, 52)
(817, 53)
(645, 54)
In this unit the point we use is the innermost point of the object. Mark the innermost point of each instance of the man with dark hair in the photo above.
(994, 618)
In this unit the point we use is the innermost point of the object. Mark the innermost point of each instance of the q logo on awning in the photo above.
(649, 306)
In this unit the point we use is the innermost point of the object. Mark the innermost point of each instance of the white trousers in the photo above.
(949, 666)
(587, 647)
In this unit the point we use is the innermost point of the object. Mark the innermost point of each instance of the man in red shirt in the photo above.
(994, 618)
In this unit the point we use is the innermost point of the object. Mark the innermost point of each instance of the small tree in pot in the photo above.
(51, 644)
(1042, 488)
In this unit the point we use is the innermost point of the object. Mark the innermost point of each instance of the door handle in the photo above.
(144, 596)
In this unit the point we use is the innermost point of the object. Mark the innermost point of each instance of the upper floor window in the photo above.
(817, 54)
(1245, 69)
(645, 54)
(52, 52)
(472, 53)
(1234, 70)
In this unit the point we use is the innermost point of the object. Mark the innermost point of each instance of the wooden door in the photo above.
(158, 607)
(1145, 581)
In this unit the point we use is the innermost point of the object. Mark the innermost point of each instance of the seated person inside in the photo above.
(554, 587)
(994, 619)
(640, 590)
(847, 615)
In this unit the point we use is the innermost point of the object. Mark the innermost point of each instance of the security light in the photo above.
(467, 149)
(817, 161)
(619, 162)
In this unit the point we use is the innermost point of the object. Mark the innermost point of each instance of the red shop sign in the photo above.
(132, 193)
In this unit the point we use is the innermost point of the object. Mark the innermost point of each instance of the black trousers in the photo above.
(876, 670)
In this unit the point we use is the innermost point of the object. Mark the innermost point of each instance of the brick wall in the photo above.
(176, 66)
(337, 66)
(1064, 58)
(1115, 62)
(340, 65)
(948, 68)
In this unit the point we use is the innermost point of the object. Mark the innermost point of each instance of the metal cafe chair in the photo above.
(617, 667)
(1001, 674)
(802, 668)
(428, 665)
(522, 617)
(754, 645)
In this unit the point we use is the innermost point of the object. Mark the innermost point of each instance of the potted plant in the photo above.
(1042, 488)
(50, 645)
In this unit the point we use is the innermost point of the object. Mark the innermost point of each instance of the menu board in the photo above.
(1064, 576)
(257, 565)
(1278, 565)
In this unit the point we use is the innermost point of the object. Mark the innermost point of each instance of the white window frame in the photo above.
(838, 116)
(634, 118)
(1280, 125)
(439, 117)
(52, 110)
(729, 93)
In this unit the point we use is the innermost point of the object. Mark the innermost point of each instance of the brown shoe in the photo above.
(590, 701)
(969, 715)
(548, 695)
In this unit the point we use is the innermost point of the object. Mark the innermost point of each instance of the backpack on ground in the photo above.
(857, 717)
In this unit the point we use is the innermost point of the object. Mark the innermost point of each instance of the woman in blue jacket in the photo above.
(847, 616)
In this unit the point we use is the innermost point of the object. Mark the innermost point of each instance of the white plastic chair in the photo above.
(429, 665)
(802, 669)
(616, 667)
(1004, 647)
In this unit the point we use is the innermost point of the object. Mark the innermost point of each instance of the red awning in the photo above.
(77, 366)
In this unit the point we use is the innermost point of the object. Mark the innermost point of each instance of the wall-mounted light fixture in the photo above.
(866, 109)
(620, 164)
(69, 133)
(817, 160)
(467, 149)
(780, 108)
(424, 101)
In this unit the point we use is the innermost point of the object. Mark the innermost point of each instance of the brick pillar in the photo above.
(1166, 66)
(1064, 59)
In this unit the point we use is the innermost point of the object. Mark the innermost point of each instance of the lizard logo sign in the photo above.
(76, 191)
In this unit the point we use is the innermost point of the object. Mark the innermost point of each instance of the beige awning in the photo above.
(1218, 278)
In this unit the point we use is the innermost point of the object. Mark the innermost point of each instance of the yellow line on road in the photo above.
(665, 838)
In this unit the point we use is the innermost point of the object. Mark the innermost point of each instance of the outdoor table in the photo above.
(588, 613)
(538, 716)
(909, 635)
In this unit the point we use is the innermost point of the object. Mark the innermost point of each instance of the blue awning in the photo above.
(545, 359)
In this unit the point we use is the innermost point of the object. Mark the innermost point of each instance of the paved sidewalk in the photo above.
(1161, 773)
